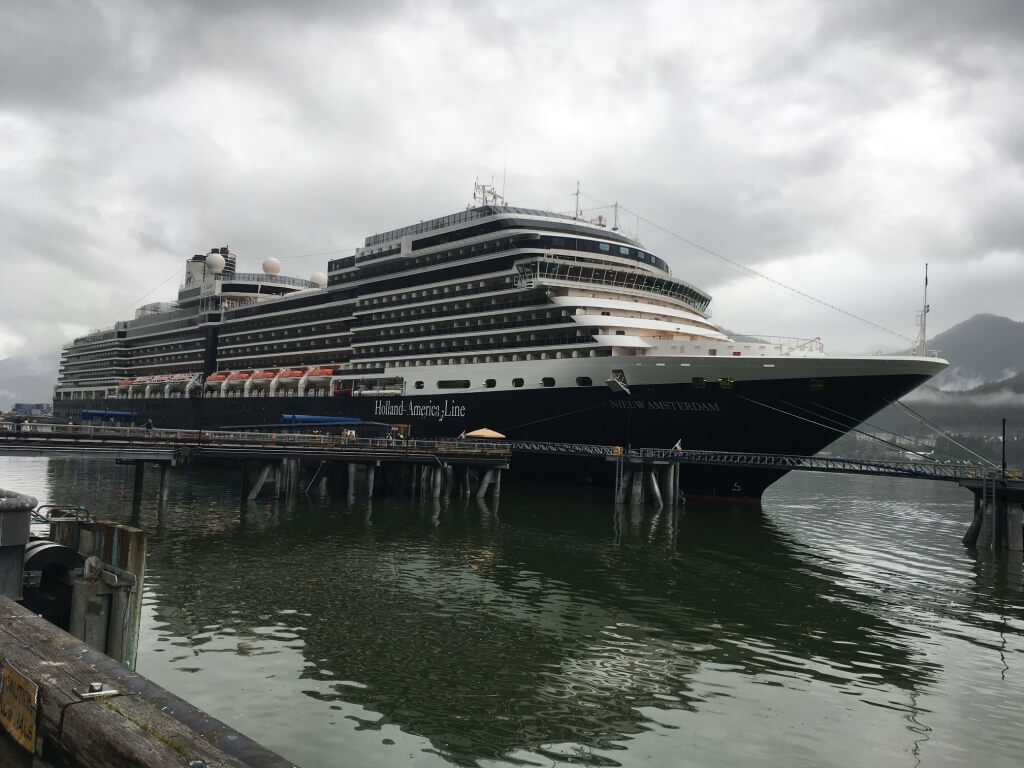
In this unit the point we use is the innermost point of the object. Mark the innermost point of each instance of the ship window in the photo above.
(624, 250)
(712, 352)
(604, 246)
(490, 383)
(517, 382)
(419, 385)
(547, 381)
(817, 385)
(698, 382)
(726, 383)
(583, 381)
(453, 384)
(620, 333)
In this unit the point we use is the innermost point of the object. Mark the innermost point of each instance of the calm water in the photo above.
(840, 625)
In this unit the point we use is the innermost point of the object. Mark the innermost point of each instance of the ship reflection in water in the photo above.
(840, 624)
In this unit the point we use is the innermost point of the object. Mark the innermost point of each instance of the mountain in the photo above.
(980, 350)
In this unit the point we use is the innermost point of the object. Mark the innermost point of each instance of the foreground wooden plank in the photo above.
(111, 732)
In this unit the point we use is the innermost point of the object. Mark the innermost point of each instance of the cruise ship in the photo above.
(543, 326)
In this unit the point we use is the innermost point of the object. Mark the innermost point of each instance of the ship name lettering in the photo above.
(387, 408)
(667, 405)
(427, 410)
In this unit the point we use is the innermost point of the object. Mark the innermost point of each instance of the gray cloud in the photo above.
(835, 147)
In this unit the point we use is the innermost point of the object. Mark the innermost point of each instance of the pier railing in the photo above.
(191, 441)
(932, 470)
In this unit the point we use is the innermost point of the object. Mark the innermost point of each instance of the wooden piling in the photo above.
(123, 547)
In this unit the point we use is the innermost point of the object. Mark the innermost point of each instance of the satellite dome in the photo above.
(215, 263)
(271, 266)
(319, 279)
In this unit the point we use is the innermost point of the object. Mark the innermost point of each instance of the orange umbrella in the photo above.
(484, 432)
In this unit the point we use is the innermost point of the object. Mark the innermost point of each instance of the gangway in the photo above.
(770, 461)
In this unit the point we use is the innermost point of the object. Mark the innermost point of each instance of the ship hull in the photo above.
(778, 416)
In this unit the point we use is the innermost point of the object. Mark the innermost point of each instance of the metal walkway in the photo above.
(165, 445)
(770, 461)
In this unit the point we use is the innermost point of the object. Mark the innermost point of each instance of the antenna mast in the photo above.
(485, 194)
(921, 348)
(576, 213)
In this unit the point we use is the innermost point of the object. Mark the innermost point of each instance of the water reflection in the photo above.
(559, 628)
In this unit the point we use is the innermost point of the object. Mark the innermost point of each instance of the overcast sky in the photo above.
(835, 147)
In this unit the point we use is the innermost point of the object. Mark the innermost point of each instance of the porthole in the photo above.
(490, 383)
(547, 381)
(583, 381)
(517, 382)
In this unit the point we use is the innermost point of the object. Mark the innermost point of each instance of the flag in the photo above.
(462, 434)
(679, 445)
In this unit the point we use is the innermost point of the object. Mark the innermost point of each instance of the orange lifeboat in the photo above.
(322, 372)
(265, 374)
(215, 377)
(125, 382)
(239, 376)
(292, 373)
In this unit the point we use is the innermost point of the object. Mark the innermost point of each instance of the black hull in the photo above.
(786, 416)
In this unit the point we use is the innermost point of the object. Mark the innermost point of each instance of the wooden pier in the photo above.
(66, 705)
(286, 463)
(280, 464)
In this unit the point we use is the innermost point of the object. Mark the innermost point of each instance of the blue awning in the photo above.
(117, 415)
(302, 418)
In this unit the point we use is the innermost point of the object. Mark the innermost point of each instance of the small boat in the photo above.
(266, 373)
(215, 378)
(292, 373)
(239, 376)
(321, 372)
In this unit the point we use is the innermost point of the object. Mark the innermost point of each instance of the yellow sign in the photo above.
(18, 699)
